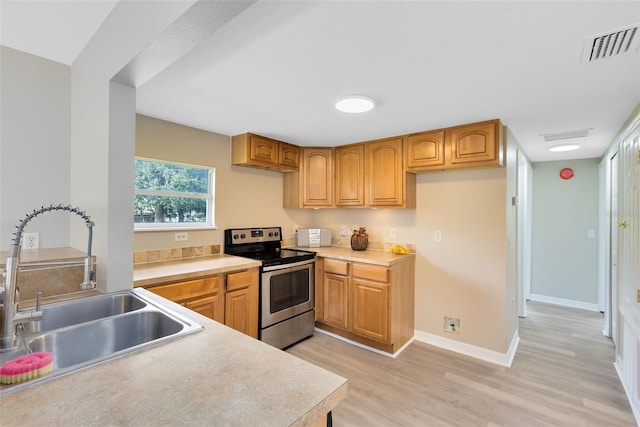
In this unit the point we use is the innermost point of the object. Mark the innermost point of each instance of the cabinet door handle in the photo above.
(623, 224)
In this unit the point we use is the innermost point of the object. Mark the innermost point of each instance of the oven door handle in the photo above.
(291, 265)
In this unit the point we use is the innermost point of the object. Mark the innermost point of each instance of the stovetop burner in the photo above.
(262, 244)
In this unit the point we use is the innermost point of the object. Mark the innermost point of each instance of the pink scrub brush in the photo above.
(26, 367)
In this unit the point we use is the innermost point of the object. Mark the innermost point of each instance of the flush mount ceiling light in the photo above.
(564, 147)
(355, 104)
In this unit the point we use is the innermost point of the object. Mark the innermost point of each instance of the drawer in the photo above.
(241, 279)
(336, 266)
(371, 272)
(184, 290)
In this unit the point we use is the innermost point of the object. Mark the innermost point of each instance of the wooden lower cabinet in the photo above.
(367, 303)
(231, 299)
(335, 297)
(370, 309)
(211, 307)
(241, 302)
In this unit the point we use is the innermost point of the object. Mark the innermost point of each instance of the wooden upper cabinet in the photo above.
(475, 144)
(257, 151)
(289, 155)
(425, 150)
(349, 183)
(317, 177)
(263, 150)
(312, 186)
(386, 179)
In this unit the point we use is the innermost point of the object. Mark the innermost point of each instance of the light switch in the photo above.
(591, 234)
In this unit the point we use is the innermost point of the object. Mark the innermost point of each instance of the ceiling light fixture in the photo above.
(355, 104)
(564, 147)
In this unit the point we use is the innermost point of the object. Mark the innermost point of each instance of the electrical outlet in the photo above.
(31, 240)
(295, 229)
(437, 236)
(452, 325)
(344, 231)
(181, 236)
(392, 233)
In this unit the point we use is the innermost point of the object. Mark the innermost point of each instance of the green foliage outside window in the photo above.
(172, 194)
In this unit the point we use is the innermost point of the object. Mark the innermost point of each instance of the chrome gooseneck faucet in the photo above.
(9, 297)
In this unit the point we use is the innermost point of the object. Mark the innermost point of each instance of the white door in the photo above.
(629, 227)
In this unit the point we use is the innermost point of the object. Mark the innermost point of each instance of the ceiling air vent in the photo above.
(611, 43)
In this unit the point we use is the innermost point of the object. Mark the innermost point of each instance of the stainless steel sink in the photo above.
(96, 340)
(73, 312)
(97, 329)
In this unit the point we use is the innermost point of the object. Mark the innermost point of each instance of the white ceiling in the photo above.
(277, 68)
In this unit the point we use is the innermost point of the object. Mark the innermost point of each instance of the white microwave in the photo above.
(313, 237)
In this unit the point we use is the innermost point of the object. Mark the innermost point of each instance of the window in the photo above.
(172, 195)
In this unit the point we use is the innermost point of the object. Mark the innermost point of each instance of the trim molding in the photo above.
(366, 347)
(564, 302)
(626, 364)
(502, 359)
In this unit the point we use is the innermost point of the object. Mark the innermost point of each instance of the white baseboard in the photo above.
(502, 359)
(564, 302)
(366, 347)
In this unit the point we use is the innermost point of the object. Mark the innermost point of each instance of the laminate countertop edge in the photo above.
(154, 273)
(369, 256)
(214, 376)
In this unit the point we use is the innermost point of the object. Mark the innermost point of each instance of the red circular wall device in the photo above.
(566, 173)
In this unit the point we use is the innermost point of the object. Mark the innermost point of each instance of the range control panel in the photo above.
(241, 236)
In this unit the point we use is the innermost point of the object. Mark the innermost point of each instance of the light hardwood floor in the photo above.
(562, 375)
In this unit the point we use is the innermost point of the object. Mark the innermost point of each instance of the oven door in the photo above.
(287, 290)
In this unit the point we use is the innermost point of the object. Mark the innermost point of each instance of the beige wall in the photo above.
(244, 197)
(462, 276)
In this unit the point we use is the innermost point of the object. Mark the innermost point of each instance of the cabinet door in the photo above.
(289, 155)
(384, 179)
(181, 291)
(242, 279)
(335, 300)
(474, 143)
(317, 177)
(264, 150)
(241, 301)
(370, 309)
(350, 175)
(425, 151)
(237, 311)
(210, 306)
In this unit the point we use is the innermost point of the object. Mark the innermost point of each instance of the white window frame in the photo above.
(166, 226)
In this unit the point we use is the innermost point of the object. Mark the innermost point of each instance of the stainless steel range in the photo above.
(286, 283)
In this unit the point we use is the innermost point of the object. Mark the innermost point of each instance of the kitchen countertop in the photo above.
(217, 376)
(153, 273)
(369, 256)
